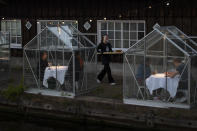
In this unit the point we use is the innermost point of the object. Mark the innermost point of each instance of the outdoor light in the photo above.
(167, 3)
(105, 18)
(149, 6)
(120, 16)
(76, 21)
(63, 22)
(38, 22)
(90, 20)
(3, 18)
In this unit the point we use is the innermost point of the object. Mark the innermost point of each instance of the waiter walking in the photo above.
(105, 46)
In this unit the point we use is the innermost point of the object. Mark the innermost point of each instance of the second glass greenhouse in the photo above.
(158, 70)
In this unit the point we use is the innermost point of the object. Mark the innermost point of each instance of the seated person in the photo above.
(140, 72)
(181, 95)
(42, 66)
(180, 70)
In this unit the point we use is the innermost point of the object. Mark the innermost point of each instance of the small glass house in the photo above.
(4, 55)
(60, 61)
(158, 70)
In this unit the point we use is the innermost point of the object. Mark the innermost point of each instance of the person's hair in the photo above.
(42, 54)
(103, 37)
(177, 60)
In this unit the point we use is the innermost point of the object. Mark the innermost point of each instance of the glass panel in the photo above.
(117, 26)
(13, 32)
(126, 26)
(141, 27)
(118, 44)
(19, 40)
(8, 25)
(125, 35)
(140, 35)
(104, 26)
(3, 26)
(13, 40)
(13, 25)
(111, 34)
(125, 43)
(118, 35)
(132, 43)
(133, 27)
(111, 26)
(133, 35)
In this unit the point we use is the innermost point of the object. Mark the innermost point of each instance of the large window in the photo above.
(14, 27)
(122, 34)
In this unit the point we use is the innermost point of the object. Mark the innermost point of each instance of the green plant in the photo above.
(13, 93)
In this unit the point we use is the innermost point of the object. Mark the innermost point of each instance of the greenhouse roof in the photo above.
(60, 37)
(172, 34)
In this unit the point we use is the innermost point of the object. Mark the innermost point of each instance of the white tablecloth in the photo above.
(159, 81)
(51, 72)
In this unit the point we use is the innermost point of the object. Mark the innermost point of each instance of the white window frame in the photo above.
(99, 30)
(13, 45)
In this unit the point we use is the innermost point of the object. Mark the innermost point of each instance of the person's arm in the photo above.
(99, 48)
(172, 74)
(110, 48)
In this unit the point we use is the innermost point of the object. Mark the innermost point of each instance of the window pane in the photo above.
(13, 40)
(8, 25)
(141, 27)
(133, 35)
(118, 44)
(126, 44)
(125, 35)
(126, 26)
(13, 25)
(19, 41)
(13, 32)
(3, 26)
(18, 32)
(18, 24)
(140, 35)
(111, 26)
(133, 27)
(112, 43)
(103, 26)
(111, 34)
(118, 26)
(118, 35)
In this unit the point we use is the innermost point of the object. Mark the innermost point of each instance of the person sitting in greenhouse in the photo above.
(105, 46)
(140, 72)
(42, 66)
(181, 70)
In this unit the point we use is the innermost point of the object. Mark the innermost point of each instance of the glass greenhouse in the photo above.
(158, 70)
(60, 61)
(4, 54)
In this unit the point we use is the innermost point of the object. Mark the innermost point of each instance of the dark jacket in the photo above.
(105, 48)
(43, 65)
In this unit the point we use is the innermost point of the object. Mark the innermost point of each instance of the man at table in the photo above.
(42, 66)
(105, 46)
(181, 95)
(140, 72)
(180, 70)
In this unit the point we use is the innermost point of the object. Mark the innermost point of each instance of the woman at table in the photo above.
(105, 46)
(42, 66)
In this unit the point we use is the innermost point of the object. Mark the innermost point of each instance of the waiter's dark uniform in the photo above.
(102, 47)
